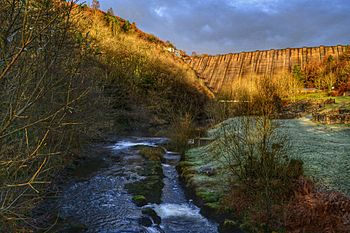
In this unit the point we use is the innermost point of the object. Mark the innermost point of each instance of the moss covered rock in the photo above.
(229, 226)
(139, 200)
(151, 186)
(211, 210)
(152, 153)
(208, 196)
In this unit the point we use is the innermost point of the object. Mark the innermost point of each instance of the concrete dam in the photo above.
(221, 70)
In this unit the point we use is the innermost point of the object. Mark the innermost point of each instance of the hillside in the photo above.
(69, 76)
(148, 85)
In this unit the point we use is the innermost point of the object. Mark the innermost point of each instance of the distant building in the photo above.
(176, 52)
(170, 49)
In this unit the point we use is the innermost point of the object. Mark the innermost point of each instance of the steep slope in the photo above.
(140, 67)
(218, 71)
(109, 32)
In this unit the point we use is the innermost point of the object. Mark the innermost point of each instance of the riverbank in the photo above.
(127, 185)
(206, 183)
(206, 187)
(323, 149)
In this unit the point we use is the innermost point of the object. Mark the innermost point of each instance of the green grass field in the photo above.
(325, 151)
(342, 102)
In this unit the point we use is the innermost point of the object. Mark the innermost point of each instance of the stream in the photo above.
(97, 198)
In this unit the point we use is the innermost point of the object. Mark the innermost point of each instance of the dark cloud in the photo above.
(223, 26)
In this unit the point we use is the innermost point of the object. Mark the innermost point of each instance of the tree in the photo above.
(292, 85)
(297, 72)
(95, 4)
(126, 26)
(110, 11)
(328, 81)
(43, 103)
(255, 154)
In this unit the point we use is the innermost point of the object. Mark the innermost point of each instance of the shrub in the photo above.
(152, 153)
(181, 131)
(152, 38)
(256, 156)
(255, 153)
(126, 26)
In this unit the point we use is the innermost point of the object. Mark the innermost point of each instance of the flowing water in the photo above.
(99, 200)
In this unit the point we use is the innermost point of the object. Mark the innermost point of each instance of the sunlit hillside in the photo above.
(68, 75)
(106, 128)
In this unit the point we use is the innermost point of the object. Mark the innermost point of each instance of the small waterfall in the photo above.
(181, 211)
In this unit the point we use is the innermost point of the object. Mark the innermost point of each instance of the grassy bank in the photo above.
(206, 183)
(341, 102)
(324, 160)
(324, 151)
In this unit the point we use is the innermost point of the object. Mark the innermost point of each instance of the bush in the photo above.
(152, 38)
(256, 156)
(126, 26)
(181, 131)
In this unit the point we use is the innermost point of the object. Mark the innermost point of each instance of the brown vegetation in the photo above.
(44, 102)
(268, 190)
(142, 75)
(253, 96)
(329, 74)
(182, 129)
(311, 210)
(69, 74)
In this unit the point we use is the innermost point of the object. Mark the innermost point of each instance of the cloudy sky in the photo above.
(224, 26)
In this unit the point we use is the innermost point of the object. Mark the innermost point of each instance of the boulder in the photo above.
(152, 214)
(139, 200)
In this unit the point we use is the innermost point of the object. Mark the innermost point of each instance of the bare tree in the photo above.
(95, 4)
(42, 97)
(254, 152)
(110, 11)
